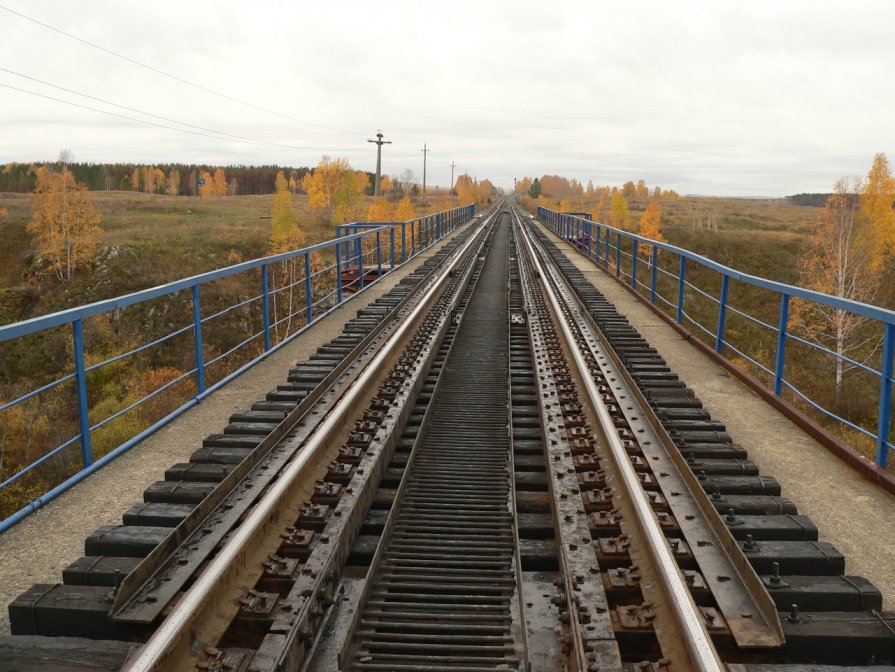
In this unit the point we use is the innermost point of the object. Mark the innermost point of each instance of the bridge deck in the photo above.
(40, 547)
(853, 514)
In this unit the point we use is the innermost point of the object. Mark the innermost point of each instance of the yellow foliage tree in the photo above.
(838, 260)
(618, 211)
(285, 234)
(135, 179)
(523, 185)
(206, 184)
(64, 223)
(405, 211)
(385, 185)
(380, 210)
(4, 213)
(650, 225)
(877, 213)
(322, 185)
(465, 189)
(603, 206)
(350, 196)
(220, 182)
(483, 191)
(285, 237)
(172, 187)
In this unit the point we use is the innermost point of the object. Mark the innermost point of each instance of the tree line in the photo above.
(176, 179)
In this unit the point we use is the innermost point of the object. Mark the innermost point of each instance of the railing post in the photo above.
(607, 243)
(391, 254)
(781, 344)
(197, 332)
(885, 397)
(412, 238)
(338, 275)
(265, 301)
(360, 262)
(618, 254)
(634, 263)
(309, 290)
(378, 256)
(654, 272)
(81, 388)
(681, 283)
(722, 314)
(597, 246)
(403, 242)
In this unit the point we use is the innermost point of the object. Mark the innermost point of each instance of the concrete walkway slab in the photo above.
(41, 546)
(850, 512)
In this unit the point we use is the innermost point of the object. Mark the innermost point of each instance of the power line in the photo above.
(138, 111)
(152, 123)
(174, 77)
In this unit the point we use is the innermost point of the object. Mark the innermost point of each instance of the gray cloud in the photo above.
(759, 98)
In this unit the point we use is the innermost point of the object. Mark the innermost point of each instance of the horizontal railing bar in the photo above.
(140, 402)
(139, 349)
(69, 315)
(53, 453)
(865, 309)
(45, 388)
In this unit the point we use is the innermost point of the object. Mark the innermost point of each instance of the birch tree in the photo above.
(64, 223)
(838, 261)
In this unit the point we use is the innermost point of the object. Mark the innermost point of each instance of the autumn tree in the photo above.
(350, 196)
(465, 189)
(285, 236)
(64, 223)
(380, 210)
(322, 184)
(483, 191)
(877, 214)
(149, 178)
(172, 187)
(603, 205)
(838, 260)
(220, 182)
(135, 179)
(206, 184)
(650, 227)
(4, 213)
(385, 185)
(618, 210)
(405, 211)
(522, 186)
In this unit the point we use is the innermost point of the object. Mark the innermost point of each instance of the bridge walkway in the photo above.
(855, 515)
(41, 546)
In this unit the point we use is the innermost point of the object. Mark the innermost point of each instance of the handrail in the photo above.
(275, 331)
(603, 244)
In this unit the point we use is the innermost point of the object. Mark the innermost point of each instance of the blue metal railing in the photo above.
(607, 245)
(319, 287)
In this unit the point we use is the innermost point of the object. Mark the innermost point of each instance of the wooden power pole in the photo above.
(379, 142)
(425, 150)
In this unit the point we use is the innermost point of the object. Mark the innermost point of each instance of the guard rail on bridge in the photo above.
(667, 283)
(291, 291)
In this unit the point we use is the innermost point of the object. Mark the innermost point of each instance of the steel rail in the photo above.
(703, 655)
(176, 631)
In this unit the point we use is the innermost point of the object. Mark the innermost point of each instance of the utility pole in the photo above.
(453, 165)
(378, 142)
(425, 151)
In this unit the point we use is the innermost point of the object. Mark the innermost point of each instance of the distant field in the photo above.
(150, 240)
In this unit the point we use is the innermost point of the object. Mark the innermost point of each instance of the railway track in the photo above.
(489, 469)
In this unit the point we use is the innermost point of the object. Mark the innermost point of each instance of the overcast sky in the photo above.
(728, 98)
